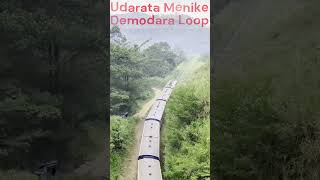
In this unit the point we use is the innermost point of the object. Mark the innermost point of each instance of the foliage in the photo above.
(133, 72)
(160, 55)
(133, 68)
(267, 105)
(52, 81)
(186, 154)
(122, 137)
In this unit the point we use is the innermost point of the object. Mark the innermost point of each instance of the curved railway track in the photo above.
(149, 154)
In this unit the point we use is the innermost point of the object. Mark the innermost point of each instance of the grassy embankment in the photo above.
(122, 138)
(186, 132)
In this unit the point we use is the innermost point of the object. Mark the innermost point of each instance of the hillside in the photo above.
(186, 151)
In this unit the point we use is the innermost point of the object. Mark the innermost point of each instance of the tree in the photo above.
(52, 78)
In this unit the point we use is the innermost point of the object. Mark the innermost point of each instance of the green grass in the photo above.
(122, 138)
(186, 69)
(187, 152)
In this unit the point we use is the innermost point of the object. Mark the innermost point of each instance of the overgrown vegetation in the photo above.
(122, 137)
(134, 70)
(267, 101)
(52, 82)
(187, 125)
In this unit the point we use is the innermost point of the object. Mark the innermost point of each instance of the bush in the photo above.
(122, 137)
(187, 129)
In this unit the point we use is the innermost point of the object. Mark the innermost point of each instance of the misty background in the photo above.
(192, 39)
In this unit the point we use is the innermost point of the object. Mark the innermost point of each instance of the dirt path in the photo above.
(129, 172)
(96, 166)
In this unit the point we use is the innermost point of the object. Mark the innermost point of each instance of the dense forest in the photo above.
(135, 69)
(52, 83)
(266, 98)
